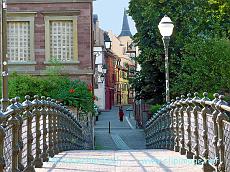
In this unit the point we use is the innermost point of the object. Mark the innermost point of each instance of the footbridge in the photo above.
(188, 134)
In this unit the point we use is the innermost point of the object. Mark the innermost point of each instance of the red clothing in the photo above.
(121, 113)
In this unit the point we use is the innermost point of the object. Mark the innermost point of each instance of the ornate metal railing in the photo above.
(197, 128)
(32, 132)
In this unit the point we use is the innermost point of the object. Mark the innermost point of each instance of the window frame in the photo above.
(47, 20)
(24, 17)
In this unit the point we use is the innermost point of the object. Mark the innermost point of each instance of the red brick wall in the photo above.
(110, 71)
(110, 82)
(84, 23)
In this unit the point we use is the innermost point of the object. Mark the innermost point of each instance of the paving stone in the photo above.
(122, 133)
(119, 161)
(119, 142)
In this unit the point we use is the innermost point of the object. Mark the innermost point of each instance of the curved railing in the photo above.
(197, 128)
(32, 132)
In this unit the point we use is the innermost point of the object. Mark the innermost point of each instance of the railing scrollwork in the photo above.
(31, 132)
(197, 127)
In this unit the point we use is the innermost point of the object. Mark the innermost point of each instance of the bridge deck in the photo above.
(121, 160)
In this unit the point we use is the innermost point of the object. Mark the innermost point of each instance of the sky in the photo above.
(110, 15)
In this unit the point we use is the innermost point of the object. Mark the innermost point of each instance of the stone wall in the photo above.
(82, 11)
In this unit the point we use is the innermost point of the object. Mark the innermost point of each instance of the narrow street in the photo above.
(122, 136)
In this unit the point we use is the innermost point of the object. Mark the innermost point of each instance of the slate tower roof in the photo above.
(95, 18)
(125, 31)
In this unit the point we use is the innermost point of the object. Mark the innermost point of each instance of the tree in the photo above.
(205, 67)
(193, 19)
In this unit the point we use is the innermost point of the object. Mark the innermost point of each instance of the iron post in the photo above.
(109, 127)
(4, 63)
(166, 40)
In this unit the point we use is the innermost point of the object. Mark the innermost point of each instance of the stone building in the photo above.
(120, 47)
(44, 32)
(110, 79)
(99, 47)
(104, 87)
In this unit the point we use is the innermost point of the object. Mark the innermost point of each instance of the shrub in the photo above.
(155, 108)
(75, 93)
(72, 93)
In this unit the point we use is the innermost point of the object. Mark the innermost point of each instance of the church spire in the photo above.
(125, 27)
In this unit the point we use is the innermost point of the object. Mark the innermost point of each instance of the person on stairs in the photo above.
(121, 113)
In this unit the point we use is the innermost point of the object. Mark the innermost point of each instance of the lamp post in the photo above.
(107, 41)
(107, 46)
(4, 63)
(166, 28)
(104, 69)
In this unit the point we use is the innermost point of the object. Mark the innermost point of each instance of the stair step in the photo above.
(120, 160)
(119, 142)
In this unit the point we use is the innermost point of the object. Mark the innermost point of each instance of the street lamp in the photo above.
(102, 77)
(104, 69)
(99, 55)
(166, 28)
(4, 63)
(107, 41)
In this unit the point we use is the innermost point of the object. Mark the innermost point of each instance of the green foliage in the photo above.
(155, 108)
(21, 85)
(205, 67)
(54, 68)
(72, 93)
(146, 87)
(75, 93)
(193, 20)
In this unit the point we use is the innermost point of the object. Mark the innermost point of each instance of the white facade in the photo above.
(99, 90)
(98, 50)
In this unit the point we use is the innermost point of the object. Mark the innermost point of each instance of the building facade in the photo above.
(99, 86)
(120, 45)
(109, 79)
(44, 32)
(104, 86)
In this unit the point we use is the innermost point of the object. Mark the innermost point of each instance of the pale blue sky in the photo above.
(110, 15)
